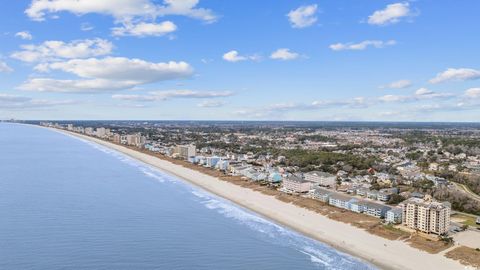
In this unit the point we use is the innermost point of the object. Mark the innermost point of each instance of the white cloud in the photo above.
(110, 73)
(211, 104)
(284, 54)
(187, 8)
(279, 109)
(391, 14)
(143, 29)
(170, 94)
(362, 45)
(303, 16)
(420, 94)
(401, 84)
(19, 102)
(53, 50)
(394, 98)
(24, 35)
(74, 86)
(123, 69)
(4, 67)
(456, 74)
(121, 10)
(234, 56)
(473, 93)
(162, 95)
(445, 107)
(134, 97)
(423, 92)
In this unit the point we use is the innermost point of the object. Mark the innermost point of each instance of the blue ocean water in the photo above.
(66, 203)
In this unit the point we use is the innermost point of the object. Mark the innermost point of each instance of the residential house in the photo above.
(385, 194)
(372, 194)
(362, 192)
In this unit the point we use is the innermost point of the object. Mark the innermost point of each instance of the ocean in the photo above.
(66, 203)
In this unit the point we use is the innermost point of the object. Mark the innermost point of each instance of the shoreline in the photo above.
(378, 251)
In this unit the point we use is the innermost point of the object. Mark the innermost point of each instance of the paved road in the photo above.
(465, 189)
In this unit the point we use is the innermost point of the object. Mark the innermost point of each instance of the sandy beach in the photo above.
(385, 254)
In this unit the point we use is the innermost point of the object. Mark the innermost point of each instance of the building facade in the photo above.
(321, 178)
(426, 215)
(297, 184)
(185, 151)
(394, 216)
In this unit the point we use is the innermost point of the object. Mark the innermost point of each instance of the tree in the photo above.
(395, 199)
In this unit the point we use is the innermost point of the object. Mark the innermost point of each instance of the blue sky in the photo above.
(246, 60)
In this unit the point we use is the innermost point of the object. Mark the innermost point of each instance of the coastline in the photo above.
(383, 253)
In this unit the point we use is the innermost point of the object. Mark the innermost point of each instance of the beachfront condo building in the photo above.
(297, 184)
(321, 178)
(133, 139)
(426, 215)
(185, 151)
(340, 200)
(100, 132)
(89, 131)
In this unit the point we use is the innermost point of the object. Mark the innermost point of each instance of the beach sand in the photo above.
(385, 254)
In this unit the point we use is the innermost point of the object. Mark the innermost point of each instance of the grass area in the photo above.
(465, 219)
(389, 232)
(428, 245)
(465, 255)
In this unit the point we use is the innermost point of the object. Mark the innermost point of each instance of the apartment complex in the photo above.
(321, 178)
(297, 184)
(185, 151)
(426, 215)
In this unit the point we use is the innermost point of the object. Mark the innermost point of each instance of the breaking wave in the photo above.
(321, 255)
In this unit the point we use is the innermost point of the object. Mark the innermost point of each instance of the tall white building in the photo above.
(89, 131)
(135, 140)
(426, 215)
(185, 151)
(100, 132)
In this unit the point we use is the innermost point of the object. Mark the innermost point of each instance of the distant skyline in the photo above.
(240, 60)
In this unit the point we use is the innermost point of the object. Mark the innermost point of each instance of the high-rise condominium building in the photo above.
(426, 215)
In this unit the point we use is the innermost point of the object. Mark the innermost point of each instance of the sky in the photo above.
(342, 60)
